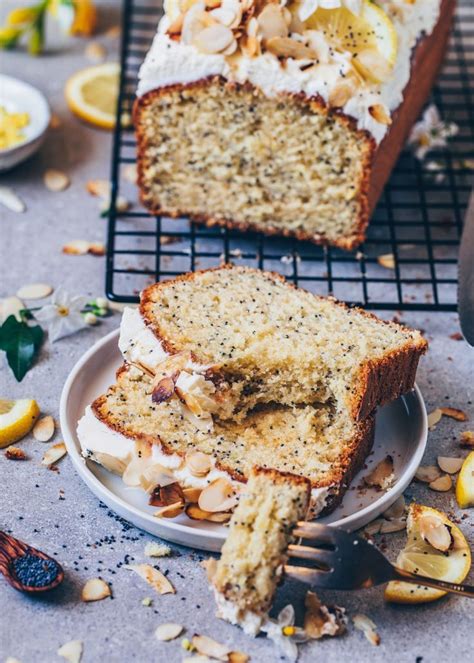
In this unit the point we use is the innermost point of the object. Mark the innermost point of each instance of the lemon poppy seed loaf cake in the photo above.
(283, 117)
(235, 339)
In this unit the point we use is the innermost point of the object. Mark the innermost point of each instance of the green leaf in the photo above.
(21, 344)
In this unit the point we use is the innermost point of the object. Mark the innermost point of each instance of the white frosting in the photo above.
(319, 498)
(169, 62)
(249, 621)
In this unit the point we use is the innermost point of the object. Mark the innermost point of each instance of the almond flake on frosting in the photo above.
(198, 463)
(218, 496)
(286, 47)
(214, 39)
(153, 577)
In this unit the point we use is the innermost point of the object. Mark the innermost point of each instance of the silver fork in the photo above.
(345, 561)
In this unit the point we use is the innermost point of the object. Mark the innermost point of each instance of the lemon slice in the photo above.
(16, 419)
(421, 557)
(92, 94)
(369, 36)
(465, 483)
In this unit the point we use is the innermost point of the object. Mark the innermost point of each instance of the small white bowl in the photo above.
(20, 97)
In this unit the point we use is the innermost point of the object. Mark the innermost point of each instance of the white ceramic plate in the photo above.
(20, 97)
(401, 431)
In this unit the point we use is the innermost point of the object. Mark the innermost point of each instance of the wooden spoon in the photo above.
(28, 569)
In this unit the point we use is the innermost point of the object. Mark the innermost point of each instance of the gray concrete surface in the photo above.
(56, 511)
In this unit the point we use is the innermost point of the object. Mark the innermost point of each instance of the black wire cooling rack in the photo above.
(418, 220)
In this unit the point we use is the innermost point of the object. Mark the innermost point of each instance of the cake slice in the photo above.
(151, 444)
(251, 564)
(233, 339)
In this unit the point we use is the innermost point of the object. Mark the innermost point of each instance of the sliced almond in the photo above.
(163, 390)
(100, 188)
(95, 589)
(382, 474)
(319, 620)
(441, 484)
(167, 495)
(209, 647)
(286, 47)
(53, 454)
(454, 413)
(427, 473)
(154, 549)
(395, 525)
(372, 61)
(77, 247)
(71, 651)
(195, 513)
(34, 291)
(467, 439)
(167, 632)
(341, 92)
(380, 114)
(153, 577)
(213, 39)
(218, 496)
(10, 200)
(190, 401)
(192, 494)
(96, 249)
(396, 510)
(56, 180)
(95, 52)
(238, 657)
(368, 628)
(386, 260)
(176, 26)
(43, 430)
(435, 532)
(450, 465)
(434, 417)
(271, 21)
(15, 453)
(170, 511)
(198, 463)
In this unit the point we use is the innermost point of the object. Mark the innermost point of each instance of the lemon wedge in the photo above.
(370, 36)
(465, 483)
(435, 548)
(16, 419)
(92, 94)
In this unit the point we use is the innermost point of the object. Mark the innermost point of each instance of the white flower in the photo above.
(308, 7)
(63, 316)
(430, 132)
(284, 633)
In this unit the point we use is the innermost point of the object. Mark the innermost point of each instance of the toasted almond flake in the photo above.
(154, 549)
(380, 114)
(371, 60)
(450, 465)
(10, 200)
(192, 494)
(43, 430)
(238, 657)
(55, 121)
(95, 52)
(95, 589)
(319, 620)
(195, 513)
(441, 484)
(15, 453)
(434, 417)
(176, 26)
(286, 47)
(34, 291)
(56, 180)
(168, 495)
(191, 402)
(212, 4)
(224, 15)
(209, 647)
(99, 188)
(198, 463)
(130, 173)
(170, 510)
(71, 651)
(396, 510)
(167, 632)
(427, 473)
(213, 39)
(435, 532)
(153, 577)
(386, 260)
(454, 413)
(10, 306)
(53, 454)
(271, 21)
(368, 628)
(467, 439)
(217, 496)
(341, 92)
(382, 474)
(96, 249)
(77, 247)
(395, 525)
(163, 390)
